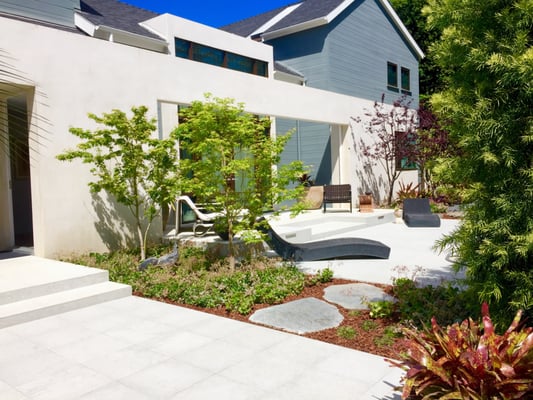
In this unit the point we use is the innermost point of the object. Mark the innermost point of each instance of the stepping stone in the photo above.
(355, 296)
(300, 316)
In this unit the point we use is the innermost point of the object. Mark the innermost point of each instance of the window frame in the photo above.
(405, 85)
(392, 86)
(402, 164)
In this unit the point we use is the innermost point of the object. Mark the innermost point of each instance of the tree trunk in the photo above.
(142, 242)
(231, 248)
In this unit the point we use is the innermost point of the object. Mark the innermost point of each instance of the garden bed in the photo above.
(357, 331)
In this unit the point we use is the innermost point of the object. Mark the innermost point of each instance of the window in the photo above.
(404, 143)
(406, 81)
(240, 63)
(182, 48)
(207, 55)
(392, 77)
(210, 55)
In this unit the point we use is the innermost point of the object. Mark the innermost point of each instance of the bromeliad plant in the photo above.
(469, 361)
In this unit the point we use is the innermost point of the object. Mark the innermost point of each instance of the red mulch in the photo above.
(363, 340)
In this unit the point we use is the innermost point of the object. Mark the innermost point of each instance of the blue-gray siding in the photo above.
(311, 144)
(59, 12)
(350, 55)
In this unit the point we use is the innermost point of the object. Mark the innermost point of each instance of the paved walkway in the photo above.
(135, 348)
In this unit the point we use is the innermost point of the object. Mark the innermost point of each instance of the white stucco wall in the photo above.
(74, 74)
(369, 175)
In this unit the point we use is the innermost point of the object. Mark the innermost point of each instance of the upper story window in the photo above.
(406, 81)
(221, 58)
(392, 77)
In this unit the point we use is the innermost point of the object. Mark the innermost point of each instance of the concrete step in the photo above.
(58, 302)
(28, 277)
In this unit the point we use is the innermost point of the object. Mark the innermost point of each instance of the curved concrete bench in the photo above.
(328, 249)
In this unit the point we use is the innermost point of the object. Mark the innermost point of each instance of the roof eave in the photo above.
(400, 25)
(120, 36)
(285, 76)
(314, 23)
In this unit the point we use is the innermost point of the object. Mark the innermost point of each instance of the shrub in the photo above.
(195, 280)
(446, 302)
(407, 191)
(390, 334)
(322, 276)
(469, 361)
(346, 332)
(368, 325)
(381, 309)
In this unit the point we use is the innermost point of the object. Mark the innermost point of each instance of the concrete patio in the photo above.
(134, 348)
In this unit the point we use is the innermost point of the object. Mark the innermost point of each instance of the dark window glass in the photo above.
(403, 163)
(261, 68)
(182, 47)
(406, 81)
(392, 76)
(240, 63)
(221, 58)
(207, 55)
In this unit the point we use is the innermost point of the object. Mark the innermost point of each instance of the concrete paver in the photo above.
(299, 316)
(180, 354)
(355, 296)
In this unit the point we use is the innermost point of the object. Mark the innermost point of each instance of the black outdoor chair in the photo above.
(337, 194)
(328, 249)
(417, 214)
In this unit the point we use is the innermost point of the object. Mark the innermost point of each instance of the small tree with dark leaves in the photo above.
(393, 132)
(432, 142)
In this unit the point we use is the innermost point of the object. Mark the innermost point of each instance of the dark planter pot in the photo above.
(224, 235)
(222, 231)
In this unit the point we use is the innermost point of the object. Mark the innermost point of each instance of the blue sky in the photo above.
(211, 12)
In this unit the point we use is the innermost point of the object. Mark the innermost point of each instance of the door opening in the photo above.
(19, 148)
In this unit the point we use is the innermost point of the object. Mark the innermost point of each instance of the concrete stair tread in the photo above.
(24, 277)
(65, 300)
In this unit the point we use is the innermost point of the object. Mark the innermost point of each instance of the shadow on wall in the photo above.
(365, 171)
(323, 174)
(366, 176)
(369, 182)
(115, 231)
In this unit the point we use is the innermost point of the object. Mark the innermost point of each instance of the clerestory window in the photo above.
(221, 58)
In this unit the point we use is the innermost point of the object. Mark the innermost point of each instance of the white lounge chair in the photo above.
(204, 220)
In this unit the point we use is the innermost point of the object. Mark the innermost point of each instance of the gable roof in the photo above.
(117, 15)
(307, 14)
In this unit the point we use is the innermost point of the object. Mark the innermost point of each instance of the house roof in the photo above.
(117, 15)
(304, 15)
(248, 26)
(280, 67)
